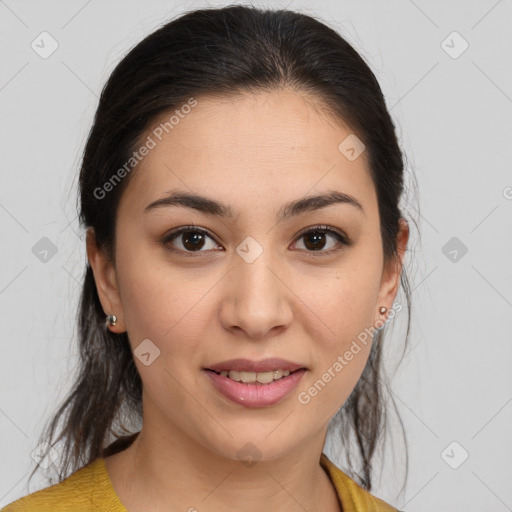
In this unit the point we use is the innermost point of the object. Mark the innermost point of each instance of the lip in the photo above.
(246, 365)
(256, 395)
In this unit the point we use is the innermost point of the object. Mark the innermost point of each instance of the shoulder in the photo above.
(352, 496)
(76, 493)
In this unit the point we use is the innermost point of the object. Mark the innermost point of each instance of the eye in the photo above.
(191, 238)
(315, 239)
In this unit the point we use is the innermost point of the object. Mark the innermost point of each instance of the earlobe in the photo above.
(106, 284)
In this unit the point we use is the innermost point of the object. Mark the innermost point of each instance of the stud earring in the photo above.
(111, 319)
(382, 310)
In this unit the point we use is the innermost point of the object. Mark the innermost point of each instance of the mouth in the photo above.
(249, 371)
(255, 389)
(256, 378)
(251, 366)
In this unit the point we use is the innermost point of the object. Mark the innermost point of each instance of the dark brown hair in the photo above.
(203, 52)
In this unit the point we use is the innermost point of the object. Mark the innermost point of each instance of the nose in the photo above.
(256, 300)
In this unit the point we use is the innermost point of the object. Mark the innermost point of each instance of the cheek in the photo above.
(345, 300)
(341, 348)
(148, 290)
(340, 314)
(165, 306)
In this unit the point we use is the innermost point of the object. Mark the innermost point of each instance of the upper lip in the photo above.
(246, 365)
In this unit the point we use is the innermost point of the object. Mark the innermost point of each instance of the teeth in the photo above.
(261, 377)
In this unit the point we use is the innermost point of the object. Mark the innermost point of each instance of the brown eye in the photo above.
(190, 238)
(317, 238)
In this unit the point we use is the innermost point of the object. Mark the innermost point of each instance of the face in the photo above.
(252, 283)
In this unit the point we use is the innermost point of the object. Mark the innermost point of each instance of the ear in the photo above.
(392, 272)
(106, 282)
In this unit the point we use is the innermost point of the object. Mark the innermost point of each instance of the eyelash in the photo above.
(342, 239)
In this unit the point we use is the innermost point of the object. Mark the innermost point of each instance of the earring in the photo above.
(112, 319)
(382, 310)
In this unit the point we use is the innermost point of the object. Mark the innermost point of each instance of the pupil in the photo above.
(195, 239)
(318, 237)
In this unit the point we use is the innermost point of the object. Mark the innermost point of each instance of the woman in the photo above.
(240, 189)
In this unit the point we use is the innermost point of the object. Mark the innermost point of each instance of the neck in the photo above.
(159, 471)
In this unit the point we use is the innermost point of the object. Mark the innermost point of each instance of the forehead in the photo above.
(281, 118)
(250, 144)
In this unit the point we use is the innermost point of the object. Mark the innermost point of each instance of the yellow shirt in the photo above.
(90, 489)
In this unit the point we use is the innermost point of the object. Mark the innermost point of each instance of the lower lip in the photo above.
(256, 395)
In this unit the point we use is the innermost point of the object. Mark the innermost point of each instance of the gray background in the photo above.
(454, 119)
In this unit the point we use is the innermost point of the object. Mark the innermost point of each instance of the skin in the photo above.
(254, 152)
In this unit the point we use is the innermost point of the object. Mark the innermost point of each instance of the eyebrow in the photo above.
(213, 207)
